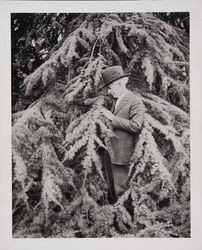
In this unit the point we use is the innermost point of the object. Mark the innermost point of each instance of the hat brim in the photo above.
(110, 82)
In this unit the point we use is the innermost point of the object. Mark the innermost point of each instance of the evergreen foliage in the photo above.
(59, 185)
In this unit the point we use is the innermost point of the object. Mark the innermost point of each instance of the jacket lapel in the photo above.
(123, 102)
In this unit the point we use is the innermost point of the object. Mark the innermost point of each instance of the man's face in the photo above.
(115, 89)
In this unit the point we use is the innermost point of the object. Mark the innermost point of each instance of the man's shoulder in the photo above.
(134, 97)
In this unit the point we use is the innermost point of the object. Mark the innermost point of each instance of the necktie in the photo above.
(113, 104)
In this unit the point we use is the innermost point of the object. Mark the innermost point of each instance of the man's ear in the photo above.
(121, 84)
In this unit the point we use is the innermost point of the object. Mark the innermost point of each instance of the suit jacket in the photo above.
(127, 123)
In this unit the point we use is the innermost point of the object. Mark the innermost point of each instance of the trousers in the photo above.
(120, 174)
(116, 176)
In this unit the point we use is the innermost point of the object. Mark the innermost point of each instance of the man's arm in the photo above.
(136, 118)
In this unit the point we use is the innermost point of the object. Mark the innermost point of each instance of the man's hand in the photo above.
(107, 113)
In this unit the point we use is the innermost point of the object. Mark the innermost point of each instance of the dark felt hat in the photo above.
(112, 74)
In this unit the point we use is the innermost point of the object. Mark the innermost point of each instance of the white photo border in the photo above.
(195, 9)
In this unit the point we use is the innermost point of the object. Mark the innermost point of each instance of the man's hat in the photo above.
(112, 74)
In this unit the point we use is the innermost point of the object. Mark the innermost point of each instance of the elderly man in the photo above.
(126, 119)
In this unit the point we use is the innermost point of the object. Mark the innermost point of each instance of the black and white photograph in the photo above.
(100, 125)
